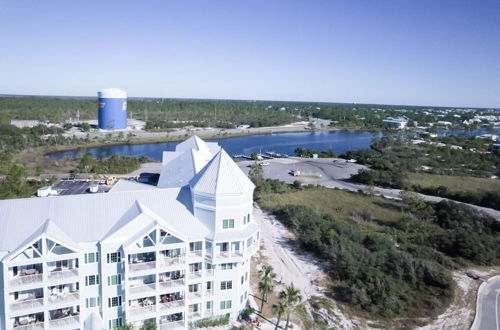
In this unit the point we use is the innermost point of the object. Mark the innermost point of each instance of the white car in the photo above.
(264, 163)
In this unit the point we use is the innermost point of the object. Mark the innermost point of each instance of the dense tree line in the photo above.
(308, 153)
(404, 267)
(115, 164)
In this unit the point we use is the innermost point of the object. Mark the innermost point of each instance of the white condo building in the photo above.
(171, 253)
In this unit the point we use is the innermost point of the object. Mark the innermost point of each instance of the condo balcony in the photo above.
(167, 283)
(195, 253)
(142, 284)
(209, 272)
(142, 306)
(28, 322)
(63, 269)
(141, 261)
(194, 315)
(23, 301)
(194, 295)
(171, 301)
(64, 317)
(26, 274)
(195, 274)
(172, 321)
(164, 261)
(62, 294)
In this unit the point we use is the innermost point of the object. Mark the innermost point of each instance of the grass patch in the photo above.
(342, 204)
(309, 177)
(454, 183)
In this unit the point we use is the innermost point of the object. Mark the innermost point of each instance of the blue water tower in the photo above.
(112, 109)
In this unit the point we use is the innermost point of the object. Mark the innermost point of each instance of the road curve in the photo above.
(488, 305)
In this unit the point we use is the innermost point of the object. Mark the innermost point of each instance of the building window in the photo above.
(91, 257)
(114, 301)
(241, 299)
(91, 280)
(246, 276)
(227, 223)
(209, 305)
(246, 218)
(114, 279)
(226, 266)
(92, 302)
(116, 323)
(114, 257)
(226, 304)
(226, 285)
(242, 279)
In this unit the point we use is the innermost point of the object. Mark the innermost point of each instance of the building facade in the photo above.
(169, 254)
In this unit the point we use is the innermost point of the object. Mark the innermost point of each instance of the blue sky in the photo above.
(425, 52)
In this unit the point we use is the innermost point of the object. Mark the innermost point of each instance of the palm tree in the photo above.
(280, 307)
(126, 327)
(292, 296)
(266, 283)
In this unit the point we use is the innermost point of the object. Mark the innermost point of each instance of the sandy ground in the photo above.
(301, 269)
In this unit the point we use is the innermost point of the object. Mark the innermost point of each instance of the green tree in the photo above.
(126, 327)
(280, 308)
(267, 277)
(149, 326)
(292, 297)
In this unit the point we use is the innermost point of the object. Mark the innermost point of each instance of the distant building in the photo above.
(25, 123)
(398, 123)
(444, 123)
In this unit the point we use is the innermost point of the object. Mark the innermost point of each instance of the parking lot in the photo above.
(72, 187)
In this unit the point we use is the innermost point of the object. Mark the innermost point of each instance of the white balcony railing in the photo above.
(171, 304)
(195, 274)
(194, 315)
(142, 266)
(26, 304)
(33, 326)
(172, 325)
(63, 297)
(64, 322)
(26, 279)
(209, 272)
(142, 288)
(138, 310)
(171, 261)
(194, 295)
(195, 253)
(209, 292)
(230, 254)
(208, 313)
(64, 273)
(167, 284)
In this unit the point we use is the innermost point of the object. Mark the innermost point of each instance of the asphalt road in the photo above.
(332, 173)
(488, 307)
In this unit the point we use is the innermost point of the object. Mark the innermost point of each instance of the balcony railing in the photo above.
(194, 315)
(171, 261)
(195, 274)
(172, 325)
(33, 326)
(26, 304)
(194, 295)
(142, 266)
(26, 279)
(142, 288)
(232, 254)
(172, 283)
(195, 253)
(208, 313)
(171, 304)
(61, 298)
(65, 321)
(64, 273)
(138, 310)
(209, 292)
(209, 272)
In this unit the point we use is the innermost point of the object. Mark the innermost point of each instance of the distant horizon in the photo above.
(445, 53)
(250, 100)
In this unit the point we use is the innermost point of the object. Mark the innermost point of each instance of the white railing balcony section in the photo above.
(172, 325)
(142, 309)
(26, 304)
(65, 322)
(32, 326)
(138, 266)
(171, 304)
(208, 313)
(28, 275)
(209, 293)
(195, 253)
(209, 272)
(194, 295)
(63, 297)
(142, 288)
(169, 284)
(63, 273)
(194, 315)
(195, 274)
(171, 261)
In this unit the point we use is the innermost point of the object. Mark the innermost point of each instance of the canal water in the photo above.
(283, 143)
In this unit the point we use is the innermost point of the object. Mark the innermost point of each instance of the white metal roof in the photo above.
(181, 169)
(221, 176)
